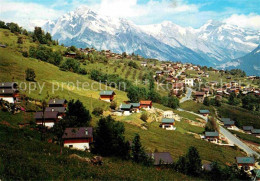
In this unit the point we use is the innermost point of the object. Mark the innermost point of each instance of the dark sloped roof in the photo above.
(47, 115)
(255, 131)
(248, 128)
(56, 109)
(167, 120)
(161, 158)
(126, 106)
(229, 122)
(211, 133)
(82, 132)
(245, 160)
(6, 91)
(57, 101)
(7, 84)
(135, 104)
(204, 111)
(107, 93)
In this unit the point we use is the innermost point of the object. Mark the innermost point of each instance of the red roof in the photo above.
(177, 85)
(146, 102)
(199, 93)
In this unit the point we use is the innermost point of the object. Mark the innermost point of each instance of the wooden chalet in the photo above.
(161, 158)
(168, 124)
(78, 138)
(9, 95)
(126, 109)
(229, 124)
(211, 135)
(71, 54)
(247, 129)
(247, 162)
(204, 112)
(146, 104)
(48, 120)
(8, 85)
(57, 103)
(199, 96)
(177, 87)
(136, 106)
(60, 110)
(107, 95)
(255, 132)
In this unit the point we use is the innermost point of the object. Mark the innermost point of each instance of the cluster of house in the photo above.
(126, 108)
(9, 92)
(78, 138)
(55, 111)
(251, 130)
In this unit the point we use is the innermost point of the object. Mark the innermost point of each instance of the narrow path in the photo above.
(187, 96)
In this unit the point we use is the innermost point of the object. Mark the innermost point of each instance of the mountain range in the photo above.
(213, 44)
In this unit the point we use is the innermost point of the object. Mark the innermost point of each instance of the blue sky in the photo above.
(194, 13)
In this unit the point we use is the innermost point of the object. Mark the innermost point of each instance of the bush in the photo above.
(71, 65)
(30, 74)
(144, 116)
(97, 111)
(113, 105)
(25, 54)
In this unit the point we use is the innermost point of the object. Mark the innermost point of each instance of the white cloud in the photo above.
(27, 15)
(251, 21)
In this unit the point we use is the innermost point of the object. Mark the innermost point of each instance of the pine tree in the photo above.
(194, 166)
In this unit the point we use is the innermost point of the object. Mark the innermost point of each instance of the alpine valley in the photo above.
(214, 44)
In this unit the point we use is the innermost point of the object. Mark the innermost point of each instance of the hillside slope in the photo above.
(13, 65)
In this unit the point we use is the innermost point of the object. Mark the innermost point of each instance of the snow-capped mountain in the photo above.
(209, 45)
(85, 28)
(250, 63)
(214, 41)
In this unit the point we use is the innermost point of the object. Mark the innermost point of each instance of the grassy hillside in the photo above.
(24, 157)
(13, 66)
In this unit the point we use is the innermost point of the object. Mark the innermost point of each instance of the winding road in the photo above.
(187, 96)
(232, 139)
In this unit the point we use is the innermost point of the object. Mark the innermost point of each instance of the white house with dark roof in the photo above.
(78, 138)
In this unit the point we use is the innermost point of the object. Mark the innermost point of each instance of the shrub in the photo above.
(97, 111)
(25, 54)
(144, 116)
(30, 74)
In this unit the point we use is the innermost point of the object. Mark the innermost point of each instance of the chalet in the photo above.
(60, 110)
(213, 83)
(200, 72)
(144, 64)
(199, 96)
(2, 46)
(189, 81)
(176, 87)
(247, 162)
(57, 103)
(168, 124)
(71, 54)
(107, 95)
(207, 167)
(9, 95)
(159, 73)
(161, 158)
(146, 104)
(49, 118)
(126, 109)
(8, 85)
(229, 124)
(169, 79)
(233, 84)
(247, 129)
(78, 138)
(206, 90)
(206, 75)
(136, 107)
(212, 136)
(204, 112)
(255, 132)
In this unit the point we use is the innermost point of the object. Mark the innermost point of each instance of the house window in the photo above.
(70, 146)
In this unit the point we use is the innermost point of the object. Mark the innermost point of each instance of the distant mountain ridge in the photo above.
(250, 63)
(212, 44)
